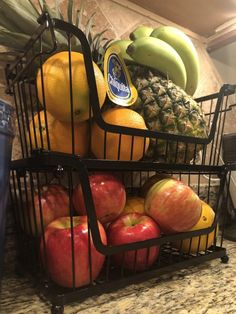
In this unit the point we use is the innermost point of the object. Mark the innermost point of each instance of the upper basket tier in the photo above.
(61, 105)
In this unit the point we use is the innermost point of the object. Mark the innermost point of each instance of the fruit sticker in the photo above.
(119, 87)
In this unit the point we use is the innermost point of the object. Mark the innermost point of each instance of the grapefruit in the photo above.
(203, 242)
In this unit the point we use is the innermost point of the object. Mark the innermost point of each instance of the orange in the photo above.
(59, 133)
(134, 204)
(64, 137)
(56, 82)
(122, 117)
(38, 132)
(206, 240)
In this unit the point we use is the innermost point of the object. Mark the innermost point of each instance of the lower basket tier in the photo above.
(76, 253)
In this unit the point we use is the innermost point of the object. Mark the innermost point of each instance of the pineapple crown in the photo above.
(18, 22)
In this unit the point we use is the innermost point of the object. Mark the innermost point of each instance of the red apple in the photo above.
(108, 194)
(58, 252)
(173, 205)
(133, 227)
(54, 202)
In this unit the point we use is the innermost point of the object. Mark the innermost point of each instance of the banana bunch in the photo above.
(166, 49)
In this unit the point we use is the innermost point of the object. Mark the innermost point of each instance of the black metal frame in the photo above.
(38, 162)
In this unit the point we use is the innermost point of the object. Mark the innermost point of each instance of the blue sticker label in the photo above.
(117, 80)
(119, 86)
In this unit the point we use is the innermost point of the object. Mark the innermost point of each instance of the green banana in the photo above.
(185, 48)
(157, 54)
(140, 31)
(123, 44)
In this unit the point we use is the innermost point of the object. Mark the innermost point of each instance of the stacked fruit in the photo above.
(167, 206)
(58, 92)
(162, 64)
(164, 68)
(168, 50)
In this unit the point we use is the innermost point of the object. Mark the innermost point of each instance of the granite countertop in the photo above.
(208, 288)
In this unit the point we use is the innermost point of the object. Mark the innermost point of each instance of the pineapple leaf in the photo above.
(8, 24)
(98, 39)
(28, 7)
(61, 36)
(89, 26)
(70, 5)
(107, 43)
(40, 2)
(34, 9)
(58, 11)
(75, 45)
(46, 7)
(98, 55)
(9, 39)
(24, 20)
(79, 17)
(95, 38)
(7, 56)
(18, 23)
(90, 40)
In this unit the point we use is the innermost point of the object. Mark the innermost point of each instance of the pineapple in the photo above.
(167, 108)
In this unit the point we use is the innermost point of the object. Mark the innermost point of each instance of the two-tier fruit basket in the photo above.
(73, 269)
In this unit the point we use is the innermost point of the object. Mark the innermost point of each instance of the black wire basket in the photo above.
(175, 251)
(26, 80)
(192, 160)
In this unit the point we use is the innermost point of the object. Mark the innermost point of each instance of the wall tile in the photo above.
(119, 17)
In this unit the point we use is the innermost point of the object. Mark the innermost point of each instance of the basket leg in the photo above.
(225, 259)
(57, 309)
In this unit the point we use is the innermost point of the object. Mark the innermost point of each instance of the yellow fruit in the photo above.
(40, 139)
(205, 221)
(64, 137)
(59, 133)
(134, 204)
(122, 117)
(151, 181)
(56, 82)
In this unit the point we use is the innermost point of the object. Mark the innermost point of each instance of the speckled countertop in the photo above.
(208, 288)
